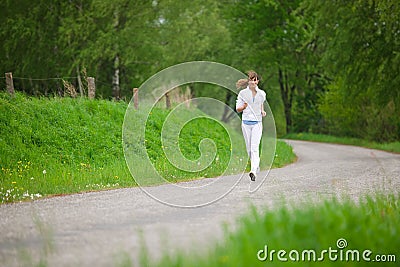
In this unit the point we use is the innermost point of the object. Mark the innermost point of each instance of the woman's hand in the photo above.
(242, 107)
(263, 113)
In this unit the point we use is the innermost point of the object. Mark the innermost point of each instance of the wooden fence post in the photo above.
(136, 98)
(10, 83)
(91, 88)
(167, 100)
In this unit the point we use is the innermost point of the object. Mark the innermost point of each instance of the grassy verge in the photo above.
(283, 155)
(53, 146)
(391, 147)
(303, 233)
(210, 160)
(59, 146)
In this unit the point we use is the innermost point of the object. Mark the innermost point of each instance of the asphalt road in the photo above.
(106, 228)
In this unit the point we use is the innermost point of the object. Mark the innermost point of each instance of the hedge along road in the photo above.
(103, 228)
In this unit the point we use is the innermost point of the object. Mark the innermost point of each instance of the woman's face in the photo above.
(253, 82)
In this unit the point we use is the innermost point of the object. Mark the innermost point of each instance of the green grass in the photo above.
(283, 155)
(59, 146)
(55, 146)
(390, 147)
(371, 224)
(216, 156)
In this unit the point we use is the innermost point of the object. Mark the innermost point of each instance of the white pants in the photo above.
(252, 136)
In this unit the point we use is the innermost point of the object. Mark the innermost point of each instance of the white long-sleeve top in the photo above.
(254, 104)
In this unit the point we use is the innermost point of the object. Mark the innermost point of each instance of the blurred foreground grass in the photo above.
(332, 233)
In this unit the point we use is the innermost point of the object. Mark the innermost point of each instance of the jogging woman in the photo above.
(250, 101)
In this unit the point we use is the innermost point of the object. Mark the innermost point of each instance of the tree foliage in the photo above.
(360, 41)
(327, 66)
(276, 38)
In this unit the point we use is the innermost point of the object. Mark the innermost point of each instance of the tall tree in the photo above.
(118, 46)
(119, 42)
(191, 30)
(274, 37)
(361, 44)
(28, 42)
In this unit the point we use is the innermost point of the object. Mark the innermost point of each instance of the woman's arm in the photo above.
(240, 104)
(263, 113)
(241, 108)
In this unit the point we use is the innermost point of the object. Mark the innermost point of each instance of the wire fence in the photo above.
(76, 87)
(66, 86)
(57, 86)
